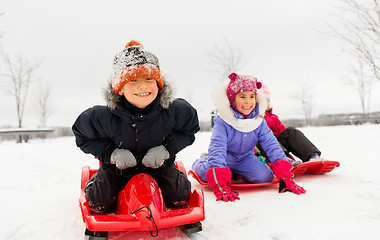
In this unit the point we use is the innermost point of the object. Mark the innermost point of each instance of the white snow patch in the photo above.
(40, 184)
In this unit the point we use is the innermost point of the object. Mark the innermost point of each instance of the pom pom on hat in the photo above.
(132, 63)
(241, 83)
(134, 43)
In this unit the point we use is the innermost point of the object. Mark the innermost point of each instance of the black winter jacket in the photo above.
(101, 129)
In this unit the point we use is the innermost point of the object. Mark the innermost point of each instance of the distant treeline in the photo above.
(322, 120)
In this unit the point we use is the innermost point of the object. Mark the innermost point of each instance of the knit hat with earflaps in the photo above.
(241, 83)
(132, 63)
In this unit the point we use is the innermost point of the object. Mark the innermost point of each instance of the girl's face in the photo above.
(140, 92)
(245, 102)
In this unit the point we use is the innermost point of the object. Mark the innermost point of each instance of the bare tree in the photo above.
(19, 73)
(44, 103)
(362, 83)
(359, 27)
(306, 99)
(226, 59)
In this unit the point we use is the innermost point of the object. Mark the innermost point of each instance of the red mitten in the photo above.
(281, 169)
(219, 179)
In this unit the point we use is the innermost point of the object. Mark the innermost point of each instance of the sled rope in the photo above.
(150, 217)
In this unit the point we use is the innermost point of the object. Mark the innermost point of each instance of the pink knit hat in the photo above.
(241, 83)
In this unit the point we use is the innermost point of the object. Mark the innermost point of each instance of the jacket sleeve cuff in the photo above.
(107, 151)
(169, 144)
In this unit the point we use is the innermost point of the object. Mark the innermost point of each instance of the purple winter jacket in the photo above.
(230, 138)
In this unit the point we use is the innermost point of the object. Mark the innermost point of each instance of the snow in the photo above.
(40, 182)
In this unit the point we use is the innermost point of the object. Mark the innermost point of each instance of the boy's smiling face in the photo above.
(140, 92)
(245, 102)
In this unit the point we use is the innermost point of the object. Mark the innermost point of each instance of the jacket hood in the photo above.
(166, 95)
(222, 105)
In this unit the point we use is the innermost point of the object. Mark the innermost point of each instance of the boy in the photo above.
(140, 130)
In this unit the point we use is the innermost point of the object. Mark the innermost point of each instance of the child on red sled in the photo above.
(237, 129)
(140, 130)
(291, 139)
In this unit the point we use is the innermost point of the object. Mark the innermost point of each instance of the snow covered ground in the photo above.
(40, 182)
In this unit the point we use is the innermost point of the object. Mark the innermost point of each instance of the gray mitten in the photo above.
(155, 157)
(123, 158)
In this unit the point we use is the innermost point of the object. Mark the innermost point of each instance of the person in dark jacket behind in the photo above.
(291, 139)
(140, 130)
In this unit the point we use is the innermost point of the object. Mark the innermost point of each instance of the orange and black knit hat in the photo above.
(132, 63)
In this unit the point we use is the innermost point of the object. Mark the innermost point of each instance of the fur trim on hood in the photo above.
(166, 95)
(224, 111)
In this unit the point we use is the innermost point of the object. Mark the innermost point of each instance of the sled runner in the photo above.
(315, 166)
(141, 207)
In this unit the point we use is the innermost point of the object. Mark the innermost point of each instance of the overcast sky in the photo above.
(76, 41)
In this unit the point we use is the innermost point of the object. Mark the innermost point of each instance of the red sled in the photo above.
(315, 166)
(141, 207)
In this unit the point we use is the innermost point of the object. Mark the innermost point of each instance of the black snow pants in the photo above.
(102, 189)
(294, 141)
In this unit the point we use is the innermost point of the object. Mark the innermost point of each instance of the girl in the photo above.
(237, 129)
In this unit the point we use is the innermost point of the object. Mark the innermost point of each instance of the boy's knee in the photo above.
(180, 195)
(175, 186)
(101, 192)
(97, 202)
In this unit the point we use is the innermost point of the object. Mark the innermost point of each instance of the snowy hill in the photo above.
(40, 182)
